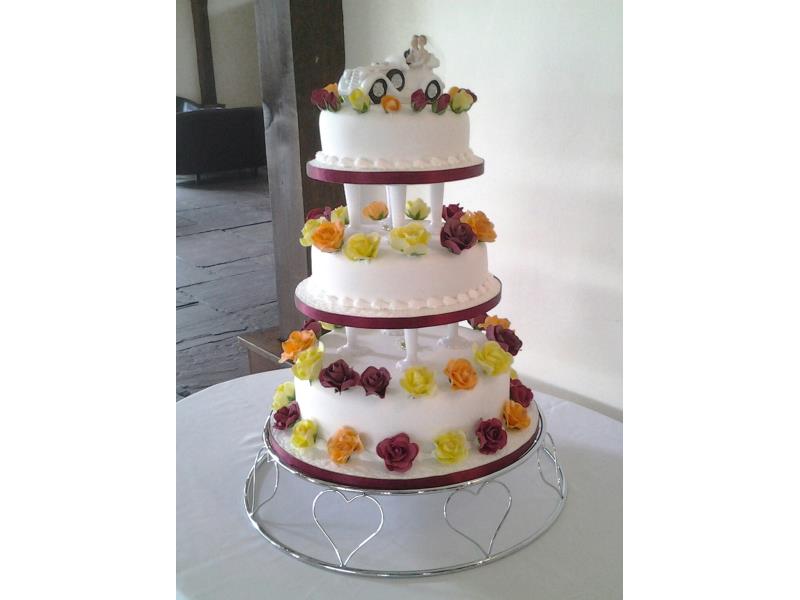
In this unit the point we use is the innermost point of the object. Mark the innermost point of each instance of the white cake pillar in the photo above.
(452, 339)
(397, 204)
(351, 345)
(437, 199)
(411, 349)
(353, 195)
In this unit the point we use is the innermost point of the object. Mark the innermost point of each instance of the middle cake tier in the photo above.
(394, 284)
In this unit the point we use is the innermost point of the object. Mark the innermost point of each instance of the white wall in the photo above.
(548, 121)
(234, 47)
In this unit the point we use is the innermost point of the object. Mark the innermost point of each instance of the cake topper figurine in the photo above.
(397, 76)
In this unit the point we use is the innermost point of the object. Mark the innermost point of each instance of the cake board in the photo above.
(542, 496)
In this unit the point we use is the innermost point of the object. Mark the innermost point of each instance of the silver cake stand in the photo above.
(428, 537)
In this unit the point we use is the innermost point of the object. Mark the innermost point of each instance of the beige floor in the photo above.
(225, 278)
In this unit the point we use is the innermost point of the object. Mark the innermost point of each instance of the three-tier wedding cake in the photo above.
(389, 391)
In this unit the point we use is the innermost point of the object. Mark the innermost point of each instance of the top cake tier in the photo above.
(394, 116)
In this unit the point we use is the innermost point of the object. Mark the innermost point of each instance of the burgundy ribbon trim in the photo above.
(391, 177)
(397, 322)
(372, 483)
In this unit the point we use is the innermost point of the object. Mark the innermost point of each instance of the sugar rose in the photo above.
(457, 236)
(286, 416)
(296, 343)
(343, 444)
(362, 246)
(490, 435)
(340, 215)
(495, 320)
(452, 211)
(308, 363)
(375, 380)
(328, 236)
(461, 374)
(507, 339)
(450, 447)
(516, 415)
(520, 393)
(339, 376)
(359, 101)
(492, 358)
(308, 230)
(460, 101)
(390, 103)
(376, 211)
(417, 209)
(304, 434)
(480, 224)
(411, 239)
(418, 381)
(398, 452)
(284, 394)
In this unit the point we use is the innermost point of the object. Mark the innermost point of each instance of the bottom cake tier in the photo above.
(456, 408)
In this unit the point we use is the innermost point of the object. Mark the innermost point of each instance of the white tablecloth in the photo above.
(221, 556)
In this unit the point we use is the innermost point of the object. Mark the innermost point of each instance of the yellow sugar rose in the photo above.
(417, 209)
(492, 358)
(451, 447)
(329, 326)
(308, 230)
(376, 211)
(410, 239)
(339, 215)
(308, 363)
(283, 396)
(418, 381)
(304, 434)
(359, 101)
(362, 246)
(460, 101)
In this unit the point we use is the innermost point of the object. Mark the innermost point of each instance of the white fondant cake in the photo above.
(397, 141)
(433, 401)
(423, 419)
(393, 284)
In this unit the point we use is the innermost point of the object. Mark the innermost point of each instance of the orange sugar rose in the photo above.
(376, 211)
(329, 236)
(332, 88)
(480, 224)
(343, 443)
(461, 374)
(296, 343)
(495, 320)
(516, 415)
(390, 103)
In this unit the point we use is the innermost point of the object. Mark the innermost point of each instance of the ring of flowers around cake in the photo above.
(325, 229)
(305, 350)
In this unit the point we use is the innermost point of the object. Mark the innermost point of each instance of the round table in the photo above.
(220, 555)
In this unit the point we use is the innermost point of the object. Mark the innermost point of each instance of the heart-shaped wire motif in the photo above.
(558, 486)
(276, 469)
(344, 562)
(476, 492)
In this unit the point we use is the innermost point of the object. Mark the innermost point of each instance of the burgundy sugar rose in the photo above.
(286, 416)
(315, 326)
(457, 236)
(398, 452)
(339, 376)
(375, 381)
(418, 100)
(507, 339)
(316, 213)
(491, 436)
(476, 321)
(452, 211)
(520, 393)
(319, 98)
(440, 104)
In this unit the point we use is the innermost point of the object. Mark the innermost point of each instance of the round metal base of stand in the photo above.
(525, 499)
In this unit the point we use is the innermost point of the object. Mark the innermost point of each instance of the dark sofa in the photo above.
(218, 139)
